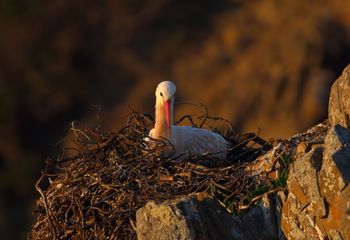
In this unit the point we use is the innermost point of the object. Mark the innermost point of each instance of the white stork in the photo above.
(187, 140)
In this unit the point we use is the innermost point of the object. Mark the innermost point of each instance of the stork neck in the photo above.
(161, 129)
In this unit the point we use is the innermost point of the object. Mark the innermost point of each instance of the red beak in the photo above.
(167, 112)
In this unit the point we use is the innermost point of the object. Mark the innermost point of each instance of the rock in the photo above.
(189, 217)
(266, 166)
(319, 190)
(201, 217)
(304, 173)
(334, 182)
(339, 104)
(302, 148)
(304, 205)
(337, 222)
(335, 172)
(261, 221)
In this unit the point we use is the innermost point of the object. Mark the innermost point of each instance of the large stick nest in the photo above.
(95, 194)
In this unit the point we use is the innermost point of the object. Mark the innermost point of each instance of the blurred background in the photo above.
(265, 64)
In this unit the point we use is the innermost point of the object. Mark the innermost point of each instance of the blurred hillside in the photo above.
(264, 64)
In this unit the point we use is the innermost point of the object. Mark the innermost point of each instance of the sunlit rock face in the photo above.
(318, 202)
(339, 100)
(334, 181)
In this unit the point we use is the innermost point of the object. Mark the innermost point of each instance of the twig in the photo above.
(37, 187)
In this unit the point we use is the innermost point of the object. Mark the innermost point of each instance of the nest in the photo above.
(95, 194)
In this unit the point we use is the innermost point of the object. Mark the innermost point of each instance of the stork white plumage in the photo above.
(190, 140)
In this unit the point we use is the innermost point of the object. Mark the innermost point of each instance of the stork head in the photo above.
(165, 97)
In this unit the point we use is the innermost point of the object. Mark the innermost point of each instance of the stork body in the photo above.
(190, 140)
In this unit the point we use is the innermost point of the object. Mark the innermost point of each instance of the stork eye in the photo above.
(161, 94)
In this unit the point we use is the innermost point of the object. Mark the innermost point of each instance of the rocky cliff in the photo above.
(318, 202)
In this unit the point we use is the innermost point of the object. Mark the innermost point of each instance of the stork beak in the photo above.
(167, 105)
